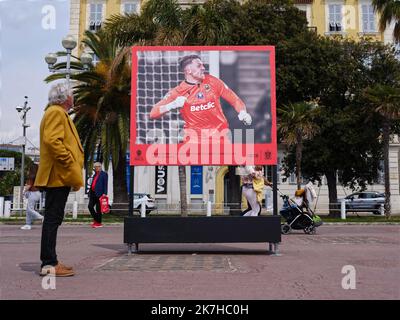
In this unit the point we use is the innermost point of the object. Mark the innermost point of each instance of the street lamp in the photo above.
(22, 111)
(86, 59)
(69, 43)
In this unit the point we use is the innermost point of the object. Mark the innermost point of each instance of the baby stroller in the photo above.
(298, 214)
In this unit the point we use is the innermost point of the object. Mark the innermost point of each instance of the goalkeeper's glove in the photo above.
(245, 117)
(177, 103)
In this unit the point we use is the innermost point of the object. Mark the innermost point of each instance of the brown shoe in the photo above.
(58, 270)
(65, 267)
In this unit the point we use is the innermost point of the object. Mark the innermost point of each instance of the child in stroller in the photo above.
(298, 213)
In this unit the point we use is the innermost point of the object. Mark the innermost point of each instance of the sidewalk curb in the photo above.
(122, 223)
(361, 223)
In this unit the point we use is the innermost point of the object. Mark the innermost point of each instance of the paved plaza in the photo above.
(308, 267)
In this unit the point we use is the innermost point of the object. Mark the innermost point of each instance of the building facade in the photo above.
(348, 18)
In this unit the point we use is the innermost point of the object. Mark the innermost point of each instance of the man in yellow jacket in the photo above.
(60, 169)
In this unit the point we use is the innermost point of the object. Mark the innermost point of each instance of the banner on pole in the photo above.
(161, 179)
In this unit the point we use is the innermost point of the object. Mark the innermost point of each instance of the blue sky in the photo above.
(23, 45)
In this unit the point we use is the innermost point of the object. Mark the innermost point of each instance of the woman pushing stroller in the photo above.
(297, 212)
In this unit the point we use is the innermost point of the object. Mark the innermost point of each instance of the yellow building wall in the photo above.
(318, 17)
(219, 189)
(82, 24)
(351, 21)
(112, 7)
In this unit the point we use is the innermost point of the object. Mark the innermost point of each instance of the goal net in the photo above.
(158, 73)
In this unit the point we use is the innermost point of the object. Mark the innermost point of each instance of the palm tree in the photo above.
(159, 23)
(389, 11)
(386, 102)
(206, 24)
(296, 124)
(102, 107)
(164, 22)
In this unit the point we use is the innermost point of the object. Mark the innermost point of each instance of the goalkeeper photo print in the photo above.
(198, 99)
(203, 95)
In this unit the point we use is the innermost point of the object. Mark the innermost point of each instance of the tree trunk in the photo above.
(334, 211)
(182, 188)
(386, 133)
(299, 150)
(119, 182)
(234, 194)
(99, 153)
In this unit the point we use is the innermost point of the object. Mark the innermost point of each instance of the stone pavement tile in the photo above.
(310, 266)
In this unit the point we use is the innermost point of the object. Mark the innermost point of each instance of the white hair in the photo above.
(97, 164)
(59, 93)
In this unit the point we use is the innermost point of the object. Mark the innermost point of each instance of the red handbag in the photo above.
(104, 207)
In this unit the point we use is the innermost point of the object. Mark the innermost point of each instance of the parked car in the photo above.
(139, 198)
(368, 201)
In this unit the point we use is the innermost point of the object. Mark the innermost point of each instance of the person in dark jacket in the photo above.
(98, 187)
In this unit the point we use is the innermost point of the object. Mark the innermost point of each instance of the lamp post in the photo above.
(23, 111)
(69, 43)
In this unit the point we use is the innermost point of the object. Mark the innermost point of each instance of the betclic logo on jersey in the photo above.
(202, 107)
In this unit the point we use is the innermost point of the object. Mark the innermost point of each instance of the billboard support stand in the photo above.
(131, 189)
(275, 189)
(173, 121)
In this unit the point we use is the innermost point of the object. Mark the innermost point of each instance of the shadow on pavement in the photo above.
(189, 249)
(30, 267)
(200, 252)
(121, 248)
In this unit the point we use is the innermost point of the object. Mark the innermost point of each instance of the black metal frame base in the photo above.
(202, 230)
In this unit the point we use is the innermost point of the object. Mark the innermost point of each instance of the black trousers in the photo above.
(94, 201)
(56, 199)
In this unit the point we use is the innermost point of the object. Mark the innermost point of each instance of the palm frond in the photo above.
(106, 145)
(123, 128)
(389, 10)
(54, 77)
(297, 118)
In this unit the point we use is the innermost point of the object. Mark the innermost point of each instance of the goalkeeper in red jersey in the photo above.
(198, 99)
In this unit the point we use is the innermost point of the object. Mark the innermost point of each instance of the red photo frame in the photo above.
(249, 71)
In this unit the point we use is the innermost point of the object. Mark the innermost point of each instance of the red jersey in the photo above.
(202, 109)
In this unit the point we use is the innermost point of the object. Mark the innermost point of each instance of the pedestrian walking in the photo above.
(32, 194)
(98, 188)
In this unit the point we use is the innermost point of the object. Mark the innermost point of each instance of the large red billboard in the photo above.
(207, 105)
